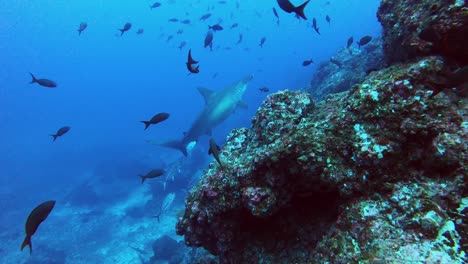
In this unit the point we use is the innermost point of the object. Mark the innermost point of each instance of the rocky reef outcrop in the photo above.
(348, 67)
(376, 173)
(420, 28)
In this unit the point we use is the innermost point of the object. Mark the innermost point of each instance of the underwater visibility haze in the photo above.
(199, 131)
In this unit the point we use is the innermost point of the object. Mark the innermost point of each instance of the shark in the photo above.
(218, 107)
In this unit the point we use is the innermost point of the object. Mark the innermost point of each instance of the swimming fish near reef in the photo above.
(186, 21)
(151, 175)
(276, 15)
(43, 82)
(289, 8)
(60, 132)
(350, 42)
(215, 151)
(216, 27)
(240, 39)
(205, 16)
(140, 31)
(182, 44)
(190, 63)
(315, 27)
(327, 18)
(158, 118)
(264, 89)
(364, 40)
(209, 40)
(35, 218)
(307, 62)
(234, 25)
(262, 42)
(156, 4)
(173, 20)
(126, 28)
(82, 27)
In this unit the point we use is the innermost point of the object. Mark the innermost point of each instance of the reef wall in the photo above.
(374, 174)
(350, 66)
(419, 28)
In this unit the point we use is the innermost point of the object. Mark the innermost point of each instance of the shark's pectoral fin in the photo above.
(206, 93)
(242, 105)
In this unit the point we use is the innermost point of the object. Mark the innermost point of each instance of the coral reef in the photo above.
(375, 173)
(428, 27)
(355, 63)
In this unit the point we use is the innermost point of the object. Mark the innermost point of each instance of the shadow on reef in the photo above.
(309, 217)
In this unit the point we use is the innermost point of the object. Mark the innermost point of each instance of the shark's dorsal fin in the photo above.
(206, 93)
(242, 105)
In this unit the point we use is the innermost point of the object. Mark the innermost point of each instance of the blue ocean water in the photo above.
(108, 83)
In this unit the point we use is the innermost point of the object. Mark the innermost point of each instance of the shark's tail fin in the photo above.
(33, 78)
(174, 144)
(300, 10)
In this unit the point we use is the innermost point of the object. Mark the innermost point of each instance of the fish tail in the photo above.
(143, 178)
(33, 78)
(300, 10)
(174, 145)
(79, 32)
(147, 124)
(121, 31)
(27, 242)
(54, 136)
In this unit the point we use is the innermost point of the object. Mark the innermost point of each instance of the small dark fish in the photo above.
(222, 2)
(43, 82)
(157, 4)
(314, 25)
(173, 20)
(216, 27)
(158, 118)
(35, 218)
(205, 16)
(327, 18)
(364, 40)
(215, 151)
(209, 39)
(60, 132)
(275, 13)
(190, 63)
(180, 31)
(307, 62)
(214, 75)
(336, 62)
(182, 45)
(240, 39)
(82, 27)
(126, 27)
(234, 25)
(264, 89)
(289, 8)
(350, 42)
(169, 38)
(140, 31)
(151, 175)
(262, 41)
(186, 21)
